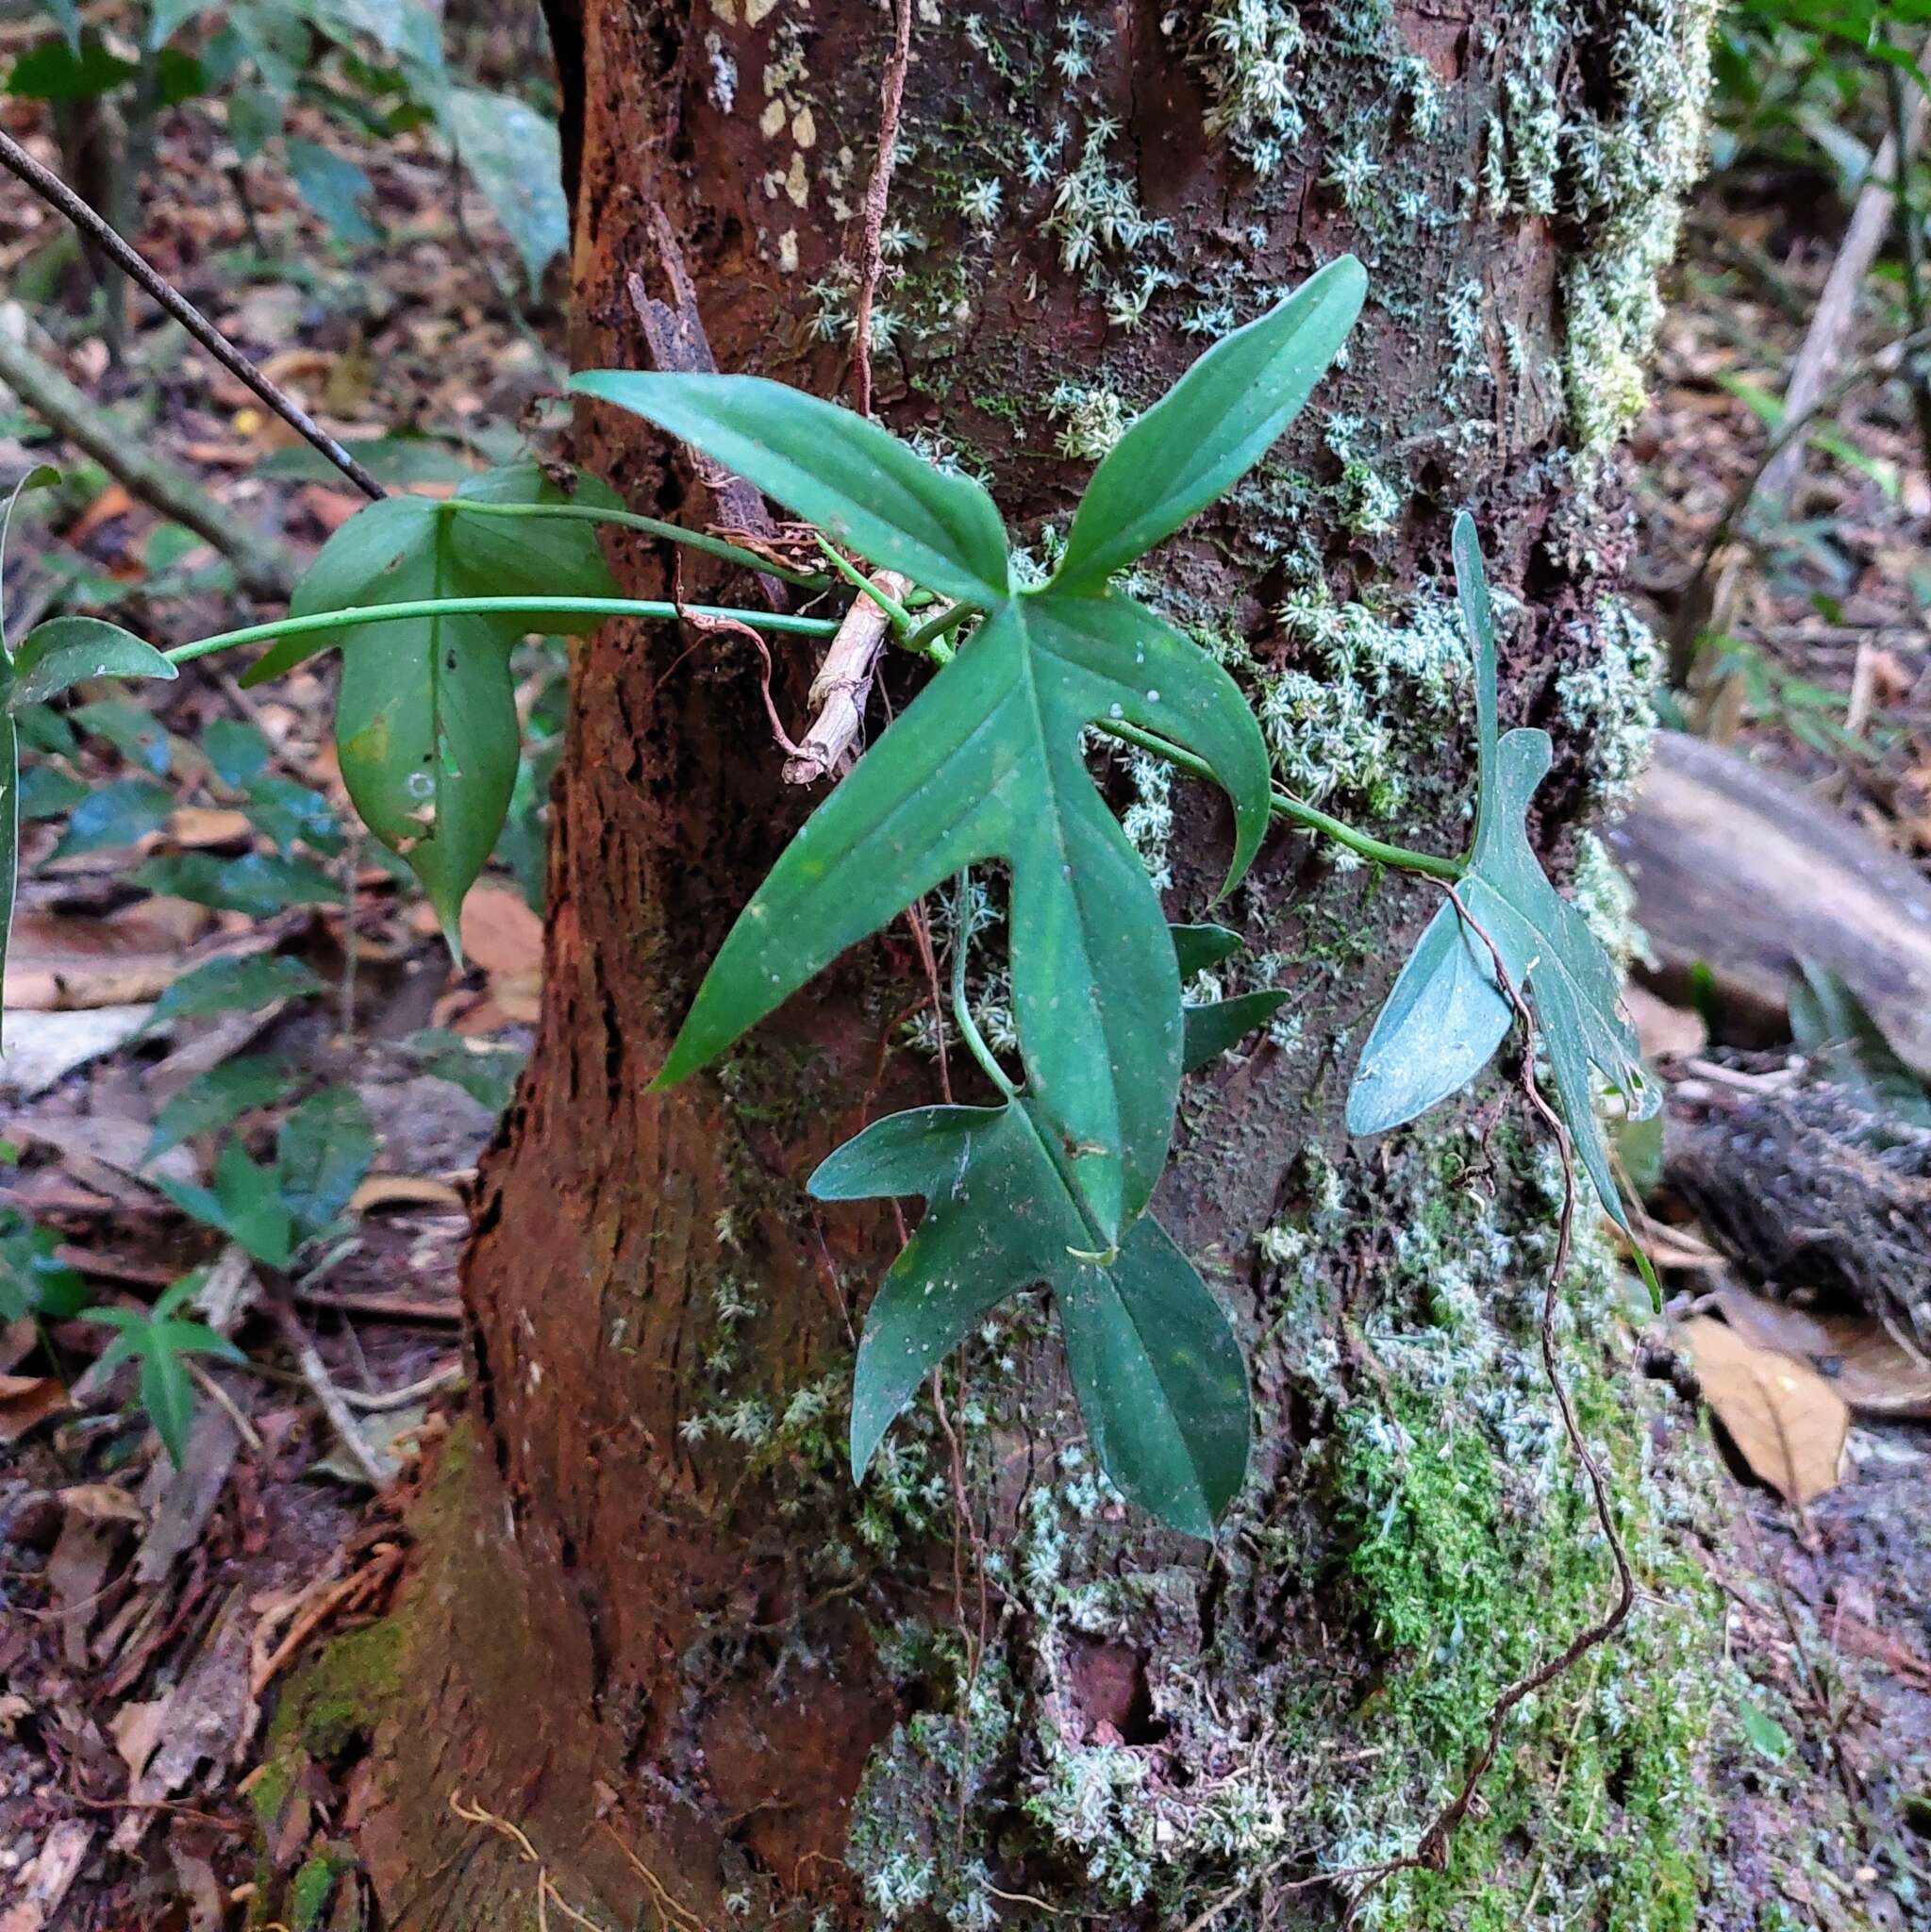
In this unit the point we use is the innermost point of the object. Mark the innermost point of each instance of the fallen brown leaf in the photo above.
(101, 1503)
(197, 826)
(112, 502)
(65, 961)
(501, 934)
(1788, 1423)
(405, 1191)
(27, 1401)
(1855, 1353)
(1661, 1028)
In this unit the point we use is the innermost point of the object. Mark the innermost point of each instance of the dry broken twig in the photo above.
(842, 683)
(877, 193)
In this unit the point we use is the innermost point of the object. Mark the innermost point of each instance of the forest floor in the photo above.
(149, 1615)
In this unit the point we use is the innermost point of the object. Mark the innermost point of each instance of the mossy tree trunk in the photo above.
(659, 1630)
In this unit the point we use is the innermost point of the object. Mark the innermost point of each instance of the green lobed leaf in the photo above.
(48, 792)
(135, 733)
(41, 475)
(118, 814)
(1214, 1027)
(288, 814)
(425, 716)
(218, 1097)
(1159, 1373)
(1828, 1019)
(1208, 1031)
(58, 655)
(156, 1339)
(486, 1072)
(987, 763)
(244, 1202)
(859, 483)
(1447, 1014)
(230, 986)
(237, 752)
(260, 883)
(35, 1285)
(325, 1148)
(335, 188)
(59, 70)
(514, 156)
(38, 477)
(1198, 947)
(1211, 427)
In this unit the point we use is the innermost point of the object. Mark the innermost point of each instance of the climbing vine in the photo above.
(1051, 1187)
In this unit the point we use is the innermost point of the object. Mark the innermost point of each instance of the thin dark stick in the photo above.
(57, 194)
(877, 194)
(1434, 1841)
(1431, 1852)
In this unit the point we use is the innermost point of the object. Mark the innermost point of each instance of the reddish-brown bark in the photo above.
(637, 1649)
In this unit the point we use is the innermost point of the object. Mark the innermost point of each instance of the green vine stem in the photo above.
(1286, 806)
(901, 618)
(651, 526)
(356, 614)
(929, 640)
(961, 1007)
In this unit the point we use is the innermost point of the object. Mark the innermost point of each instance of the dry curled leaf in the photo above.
(1788, 1423)
(1855, 1353)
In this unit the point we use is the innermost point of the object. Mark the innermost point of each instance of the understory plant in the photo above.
(1052, 1185)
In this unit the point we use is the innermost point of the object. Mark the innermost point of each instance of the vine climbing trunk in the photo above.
(656, 1628)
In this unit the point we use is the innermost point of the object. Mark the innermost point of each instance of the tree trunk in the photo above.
(659, 1630)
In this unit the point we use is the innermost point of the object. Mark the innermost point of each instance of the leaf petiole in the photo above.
(1284, 805)
(961, 1007)
(651, 526)
(353, 615)
(901, 618)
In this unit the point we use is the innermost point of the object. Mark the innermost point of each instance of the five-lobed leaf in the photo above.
(1447, 1014)
(987, 763)
(1157, 1370)
(1211, 427)
(859, 483)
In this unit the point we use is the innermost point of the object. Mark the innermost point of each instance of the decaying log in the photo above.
(1739, 870)
(1810, 1192)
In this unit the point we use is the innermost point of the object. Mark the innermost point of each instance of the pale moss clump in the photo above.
(1091, 418)
(1332, 728)
(1253, 59)
(1609, 702)
(1626, 173)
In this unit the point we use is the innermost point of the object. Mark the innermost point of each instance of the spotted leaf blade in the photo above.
(987, 763)
(425, 716)
(1159, 1373)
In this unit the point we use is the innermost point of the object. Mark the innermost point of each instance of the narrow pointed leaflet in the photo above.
(1156, 1368)
(425, 719)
